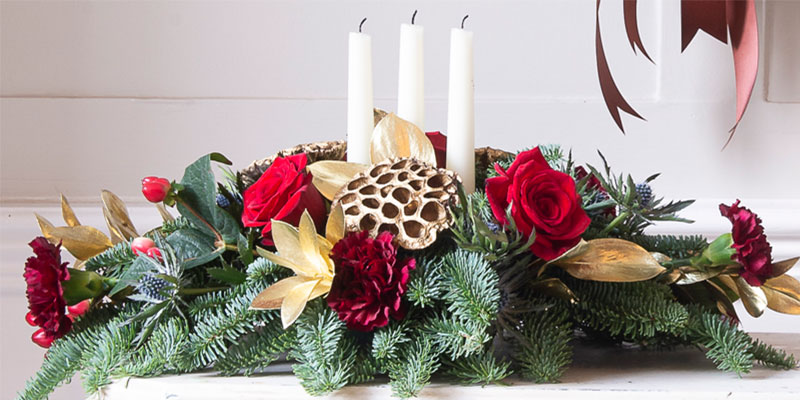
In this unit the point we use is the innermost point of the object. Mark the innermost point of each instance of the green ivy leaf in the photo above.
(228, 274)
(194, 247)
(199, 193)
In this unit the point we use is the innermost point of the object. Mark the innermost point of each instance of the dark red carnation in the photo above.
(439, 142)
(753, 251)
(369, 283)
(542, 200)
(44, 274)
(282, 193)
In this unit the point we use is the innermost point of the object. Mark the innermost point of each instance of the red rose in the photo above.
(155, 189)
(369, 283)
(753, 251)
(282, 193)
(44, 274)
(542, 200)
(439, 142)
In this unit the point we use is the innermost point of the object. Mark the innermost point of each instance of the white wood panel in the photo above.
(782, 60)
(297, 49)
(79, 146)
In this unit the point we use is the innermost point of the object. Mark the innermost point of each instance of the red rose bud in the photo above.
(42, 339)
(542, 200)
(79, 309)
(30, 319)
(140, 245)
(439, 142)
(155, 189)
(154, 252)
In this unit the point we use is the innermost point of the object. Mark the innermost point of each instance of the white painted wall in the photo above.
(95, 95)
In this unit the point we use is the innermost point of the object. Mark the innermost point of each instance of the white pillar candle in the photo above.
(461, 109)
(411, 79)
(360, 120)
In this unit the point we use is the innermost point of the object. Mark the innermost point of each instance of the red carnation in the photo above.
(282, 193)
(542, 200)
(753, 251)
(369, 283)
(44, 274)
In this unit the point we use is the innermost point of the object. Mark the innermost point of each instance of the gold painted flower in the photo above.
(307, 254)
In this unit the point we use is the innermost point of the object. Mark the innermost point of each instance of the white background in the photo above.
(96, 95)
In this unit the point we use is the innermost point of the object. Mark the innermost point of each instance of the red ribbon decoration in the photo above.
(611, 94)
(718, 18)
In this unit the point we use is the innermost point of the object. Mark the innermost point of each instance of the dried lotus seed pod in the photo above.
(406, 197)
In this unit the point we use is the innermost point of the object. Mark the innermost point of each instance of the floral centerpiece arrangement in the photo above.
(353, 271)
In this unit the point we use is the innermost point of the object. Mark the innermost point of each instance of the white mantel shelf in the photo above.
(597, 373)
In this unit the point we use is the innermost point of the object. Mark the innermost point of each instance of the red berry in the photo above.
(78, 309)
(155, 189)
(30, 319)
(41, 339)
(140, 245)
(154, 252)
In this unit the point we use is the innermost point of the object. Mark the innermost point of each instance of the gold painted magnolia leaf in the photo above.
(328, 176)
(782, 267)
(395, 137)
(690, 275)
(116, 214)
(83, 242)
(334, 230)
(67, 213)
(378, 114)
(783, 294)
(611, 260)
(753, 298)
(723, 302)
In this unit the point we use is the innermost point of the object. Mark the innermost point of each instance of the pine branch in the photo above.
(325, 360)
(724, 343)
(482, 368)
(257, 351)
(386, 343)
(418, 362)
(111, 346)
(456, 337)
(543, 349)
(161, 353)
(634, 311)
(113, 261)
(425, 283)
(676, 247)
(471, 287)
(771, 357)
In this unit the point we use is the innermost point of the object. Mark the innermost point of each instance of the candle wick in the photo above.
(464, 19)
(361, 24)
(414, 17)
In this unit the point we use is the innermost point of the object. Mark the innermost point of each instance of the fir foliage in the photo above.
(175, 225)
(471, 287)
(418, 361)
(257, 350)
(162, 352)
(544, 349)
(632, 311)
(425, 283)
(482, 368)
(324, 357)
(113, 261)
(676, 247)
(386, 343)
(771, 357)
(724, 343)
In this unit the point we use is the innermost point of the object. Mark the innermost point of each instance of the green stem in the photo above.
(613, 224)
(219, 241)
(676, 263)
(199, 291)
